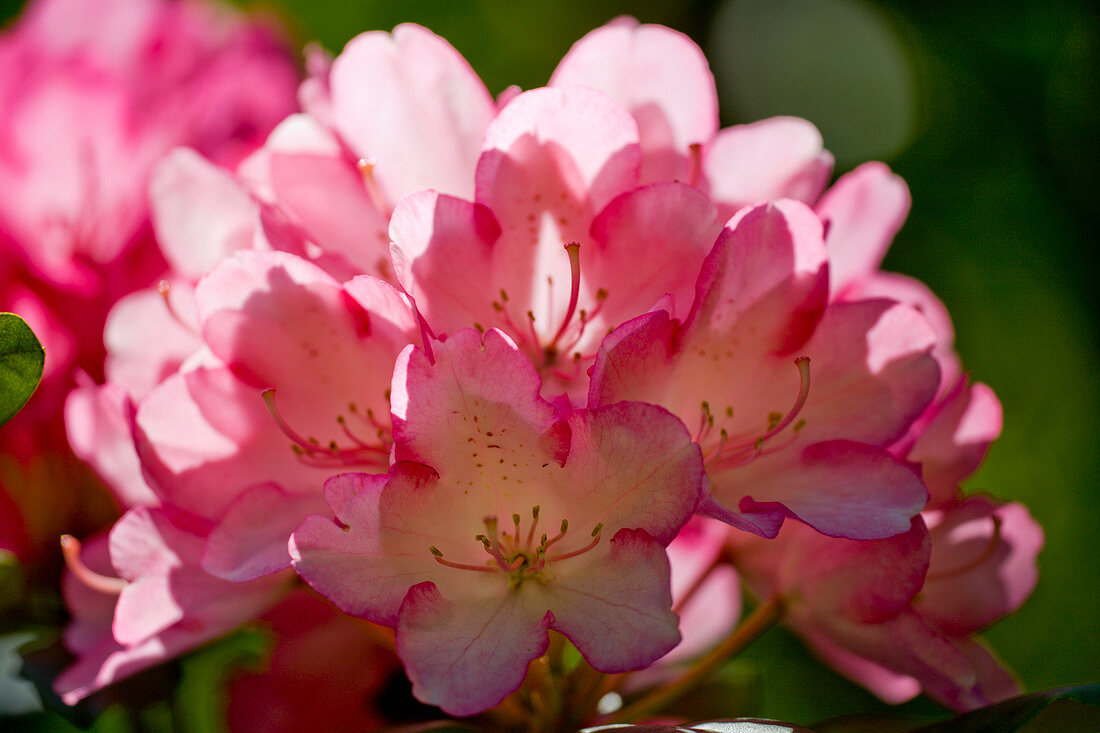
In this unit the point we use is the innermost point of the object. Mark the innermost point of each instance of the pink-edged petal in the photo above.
(330, 200)
(632, 465)
(872, 372)
(661, 77)
(148, 335)
(412, 105)
(489, 392)
(983, 564)
(467, 656)
(864, 209)
(956, 438)
(617, 608)
(781, 157)
(442, 254)
(97, 424)
(578, 140)
(651, 242)
(200, 213)
(840, 488)
(367, 568)
(250, 541)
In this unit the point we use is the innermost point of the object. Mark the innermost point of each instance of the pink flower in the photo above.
(429, 549)
(784, 436)
(322, 353)
(898, 615)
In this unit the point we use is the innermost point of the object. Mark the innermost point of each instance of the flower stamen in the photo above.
(70, 550)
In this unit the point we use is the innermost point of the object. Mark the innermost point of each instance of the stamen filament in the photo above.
(366, 171)
(597, 533)
(164, 288)
(70, 550)
(803, 364)
(573, 249)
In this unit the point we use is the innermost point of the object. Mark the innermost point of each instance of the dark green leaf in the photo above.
(1011, 715)
(201, 700)
(21, 360)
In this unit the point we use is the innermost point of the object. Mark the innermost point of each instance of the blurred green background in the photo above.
(991, 112)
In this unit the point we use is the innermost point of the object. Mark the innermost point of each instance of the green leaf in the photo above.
(201, 700)
(21, 361)
(1012, 715)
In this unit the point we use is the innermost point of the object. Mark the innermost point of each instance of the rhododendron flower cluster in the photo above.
(526, 384)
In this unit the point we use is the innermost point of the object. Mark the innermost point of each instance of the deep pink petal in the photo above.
(467, 656)
(411, 104)
(617, 610)
(841, 488)
(781, 157)
(661, 77)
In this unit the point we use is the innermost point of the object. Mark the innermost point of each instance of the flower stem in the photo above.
(763, 617)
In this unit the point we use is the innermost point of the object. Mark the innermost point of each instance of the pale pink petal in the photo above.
(411, 104)
(493, 389)
(617, 608)
(204, 436)
(442, 254)
(915, 294)
(956, 438)
(661, 77)
(840, 488)
(650, 243)
(250, 540)
(579, 140)
(863, 211)
(330, 200)
(983, 564)
(200, 213)
(466, 656)
(631, 465)
(279, 321)
(781, 157)
(98, 427)
(147, 339)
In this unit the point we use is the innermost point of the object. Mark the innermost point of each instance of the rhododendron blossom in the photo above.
(534, 382)
(502, 520)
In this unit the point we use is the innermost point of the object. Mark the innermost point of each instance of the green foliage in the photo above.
(201, 701)
(21, 361)
(1015, 714)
